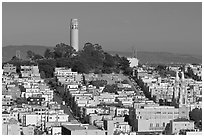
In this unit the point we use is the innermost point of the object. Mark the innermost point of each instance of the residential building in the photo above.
(181, 124)
(8, 69)
(151, 119)
(81, 130)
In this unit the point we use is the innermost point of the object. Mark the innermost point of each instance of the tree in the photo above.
(21, 100)
(42, 74)
(48, 66)
(196, 115)
(128, 71)
(63, 51)
(93, 54)
(124, 65)
(37, 57)
(48, 70)
(64, 62)
(48, 54)
(111, 88)
(109, 61)
(91, 58)
(107, 70)
(160, 67)
(191, 74)
(80, 66)
(127, 119)
(69, 51)
(98, 83)
(14, 58)
(30, 54)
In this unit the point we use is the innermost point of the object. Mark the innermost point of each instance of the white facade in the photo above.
(58, 118)
(30, 71)
(149, 119)
(32, 119)
(56, 130)
(177, 125)
(74, 36)
(133, 62)
(38, 119)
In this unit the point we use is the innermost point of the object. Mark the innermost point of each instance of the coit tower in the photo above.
(74, 36)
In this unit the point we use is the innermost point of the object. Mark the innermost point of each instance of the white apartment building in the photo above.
(30, 71)
(149, 119)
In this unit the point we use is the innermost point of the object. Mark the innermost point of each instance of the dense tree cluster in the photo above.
(91, 58)
(47, 66)
(33, 56)
(111, 88)
(192, 75)
(164, 71)
(161, 67)
(98, 83)
(196, 116)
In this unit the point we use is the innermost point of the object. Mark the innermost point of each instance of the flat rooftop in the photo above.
(80, 127)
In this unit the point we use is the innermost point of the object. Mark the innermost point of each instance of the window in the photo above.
(163, 124)
(157, 124)
(151, 124)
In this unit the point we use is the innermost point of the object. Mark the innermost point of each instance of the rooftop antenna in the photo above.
(134, 52)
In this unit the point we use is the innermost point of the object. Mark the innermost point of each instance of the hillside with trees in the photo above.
(91, 59)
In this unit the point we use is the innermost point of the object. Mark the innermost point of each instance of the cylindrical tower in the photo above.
(74, 36)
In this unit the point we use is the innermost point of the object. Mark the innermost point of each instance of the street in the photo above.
(133, 84)
(64, 107)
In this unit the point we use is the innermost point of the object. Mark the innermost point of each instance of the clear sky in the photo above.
(169, 27)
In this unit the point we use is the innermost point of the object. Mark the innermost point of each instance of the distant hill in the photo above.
(9, 51)
(145, 57)
(161, 57)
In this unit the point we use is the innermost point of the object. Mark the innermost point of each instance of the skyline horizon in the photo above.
(128, 51)
(159, 34)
